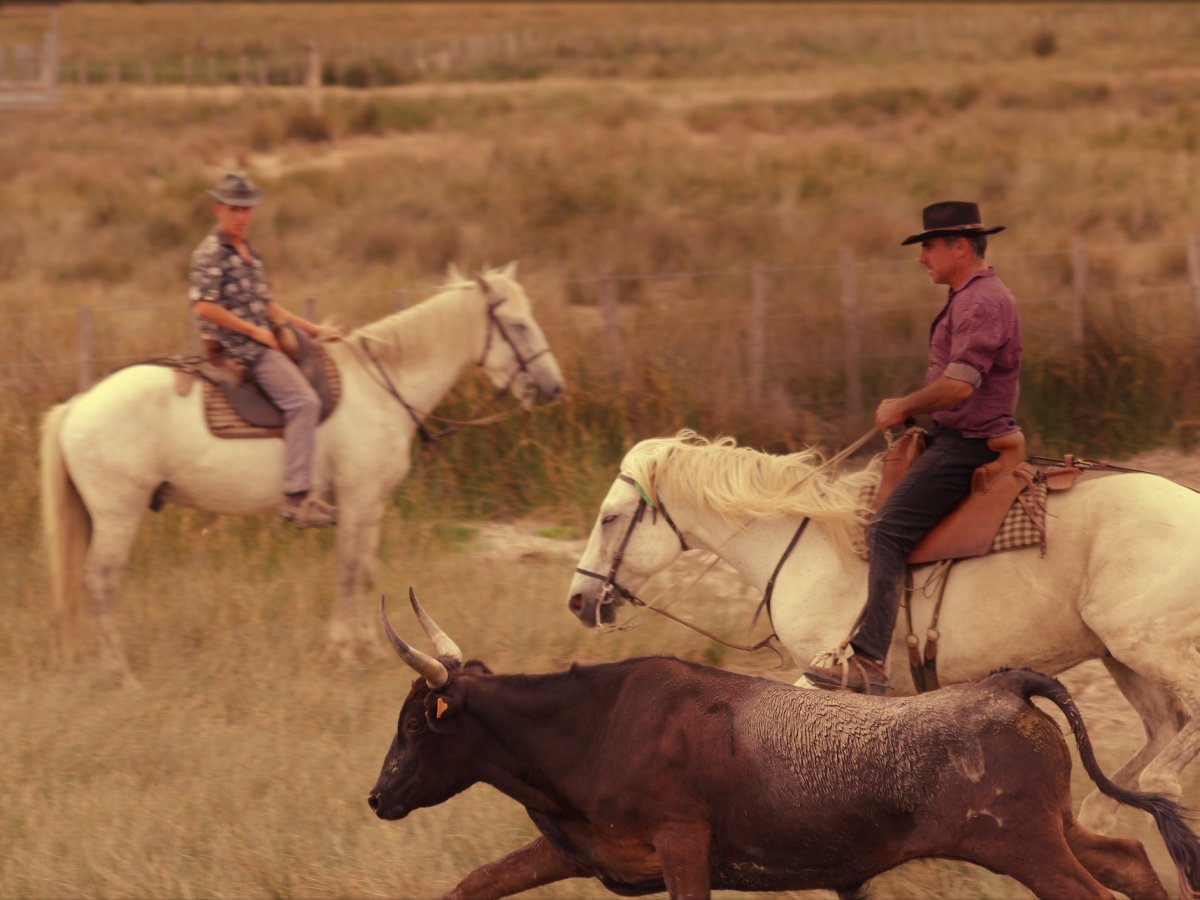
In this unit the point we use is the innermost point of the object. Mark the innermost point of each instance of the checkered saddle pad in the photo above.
(1024, 525)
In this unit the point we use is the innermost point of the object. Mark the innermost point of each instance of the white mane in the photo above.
(740, 483)
(436, 325)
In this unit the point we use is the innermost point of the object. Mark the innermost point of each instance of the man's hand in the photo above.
(890, 413)
(265, 336)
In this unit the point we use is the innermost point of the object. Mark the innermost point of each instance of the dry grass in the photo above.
(636, 139)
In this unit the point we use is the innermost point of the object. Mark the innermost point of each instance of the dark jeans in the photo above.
(937, 481)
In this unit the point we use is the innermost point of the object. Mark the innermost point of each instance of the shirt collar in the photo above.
(987, 272)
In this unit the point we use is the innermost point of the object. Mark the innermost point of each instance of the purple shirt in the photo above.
(976, 338)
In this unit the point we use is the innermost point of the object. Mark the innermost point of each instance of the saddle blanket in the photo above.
(1017, 530)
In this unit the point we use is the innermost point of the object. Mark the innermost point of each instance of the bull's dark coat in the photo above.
(653, 774)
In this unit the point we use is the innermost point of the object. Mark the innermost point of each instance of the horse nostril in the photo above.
(576, 602)
(373, 802)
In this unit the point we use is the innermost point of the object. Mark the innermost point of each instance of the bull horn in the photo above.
(441, 641)
(434, 672)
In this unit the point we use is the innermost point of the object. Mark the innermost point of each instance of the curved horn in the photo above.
(441, 641)
(434, 672)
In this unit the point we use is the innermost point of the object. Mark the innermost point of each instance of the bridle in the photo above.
(495, 323)
(612, 587)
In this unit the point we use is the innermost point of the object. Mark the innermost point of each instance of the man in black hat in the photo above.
(231, 298)
(971, 388)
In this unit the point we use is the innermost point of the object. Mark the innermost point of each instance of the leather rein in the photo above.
(495, 324)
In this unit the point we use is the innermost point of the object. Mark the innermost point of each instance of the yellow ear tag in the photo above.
(442, 706)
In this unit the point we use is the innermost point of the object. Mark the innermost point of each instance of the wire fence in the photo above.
(835, 333)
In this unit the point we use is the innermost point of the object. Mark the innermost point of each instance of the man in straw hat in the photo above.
(971, 388)
(231, 298)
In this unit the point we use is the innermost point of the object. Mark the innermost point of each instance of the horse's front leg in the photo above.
(352, 628)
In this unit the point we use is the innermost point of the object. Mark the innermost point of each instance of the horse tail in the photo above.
(1170, 817)
(67, 531)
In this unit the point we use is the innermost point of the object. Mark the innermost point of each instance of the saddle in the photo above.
(972, 527)
(236, 407)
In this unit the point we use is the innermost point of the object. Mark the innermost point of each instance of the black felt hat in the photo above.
(950, 218)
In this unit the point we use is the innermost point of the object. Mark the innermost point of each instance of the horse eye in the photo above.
(608, 520)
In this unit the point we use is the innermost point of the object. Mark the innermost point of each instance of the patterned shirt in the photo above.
(976, 338)
(220, 275)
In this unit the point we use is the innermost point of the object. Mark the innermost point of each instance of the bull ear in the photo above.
(441, 707)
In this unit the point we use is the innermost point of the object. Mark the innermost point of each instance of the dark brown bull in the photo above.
(653, 774)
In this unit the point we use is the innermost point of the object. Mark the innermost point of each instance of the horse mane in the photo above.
(427, 329)
(740, 483)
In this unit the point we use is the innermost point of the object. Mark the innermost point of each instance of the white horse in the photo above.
(106, 453)
(1118, 581)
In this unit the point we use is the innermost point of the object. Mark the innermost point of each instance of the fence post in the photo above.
(84, 324)
(612, 329)
(1079, 278)
(313, 77)
(757, 340)
(1193, 259)
(852, 338)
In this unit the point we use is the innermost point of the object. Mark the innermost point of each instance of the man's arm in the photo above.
(219, 315)
(280, 315)
(943, 393)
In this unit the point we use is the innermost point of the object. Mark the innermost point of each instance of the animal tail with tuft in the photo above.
(67, 531)
(1170, 817)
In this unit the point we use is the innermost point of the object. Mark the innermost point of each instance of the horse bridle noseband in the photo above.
(611, 584)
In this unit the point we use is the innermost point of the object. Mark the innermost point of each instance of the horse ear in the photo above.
(510, 271)
(454, 274)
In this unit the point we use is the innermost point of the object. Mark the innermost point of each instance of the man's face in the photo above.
(941, 257)
(233, 220)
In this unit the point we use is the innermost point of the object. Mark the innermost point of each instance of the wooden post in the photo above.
(757, 336)
(612, 329)
(189, 80)
(84, 321)
(1193, 258)
(313, 79)
(852, 341)
(1079, 277)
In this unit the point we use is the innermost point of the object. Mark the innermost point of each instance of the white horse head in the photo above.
(650, 514)
(516, 355)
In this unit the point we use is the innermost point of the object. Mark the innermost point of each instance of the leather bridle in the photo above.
(495, 323)
(611, 586)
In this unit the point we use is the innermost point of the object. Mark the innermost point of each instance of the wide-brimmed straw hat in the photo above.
(950, 218)
(236, 189)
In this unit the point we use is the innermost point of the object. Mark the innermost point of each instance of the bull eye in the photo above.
(414, 724)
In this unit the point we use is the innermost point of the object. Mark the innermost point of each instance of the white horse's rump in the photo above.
(107, 452)
(1118, 582)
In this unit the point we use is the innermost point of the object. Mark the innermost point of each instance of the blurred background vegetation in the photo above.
(661, 152)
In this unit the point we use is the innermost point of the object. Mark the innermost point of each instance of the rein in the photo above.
(494, 324)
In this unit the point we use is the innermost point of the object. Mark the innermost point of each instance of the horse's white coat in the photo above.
(1118, 582)
(106, 452)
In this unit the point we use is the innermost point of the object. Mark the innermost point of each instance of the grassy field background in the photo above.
(674, 146)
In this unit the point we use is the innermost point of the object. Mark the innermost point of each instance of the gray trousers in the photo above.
(290, 391)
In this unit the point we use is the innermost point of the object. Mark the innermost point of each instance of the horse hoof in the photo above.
(1161, 784)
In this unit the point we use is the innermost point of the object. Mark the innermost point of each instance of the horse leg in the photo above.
(1162, 717)
(352, 630)
(1118, 863)
(108, 553)
(1043, 861)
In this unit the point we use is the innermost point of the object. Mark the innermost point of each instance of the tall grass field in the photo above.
(696, 194)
